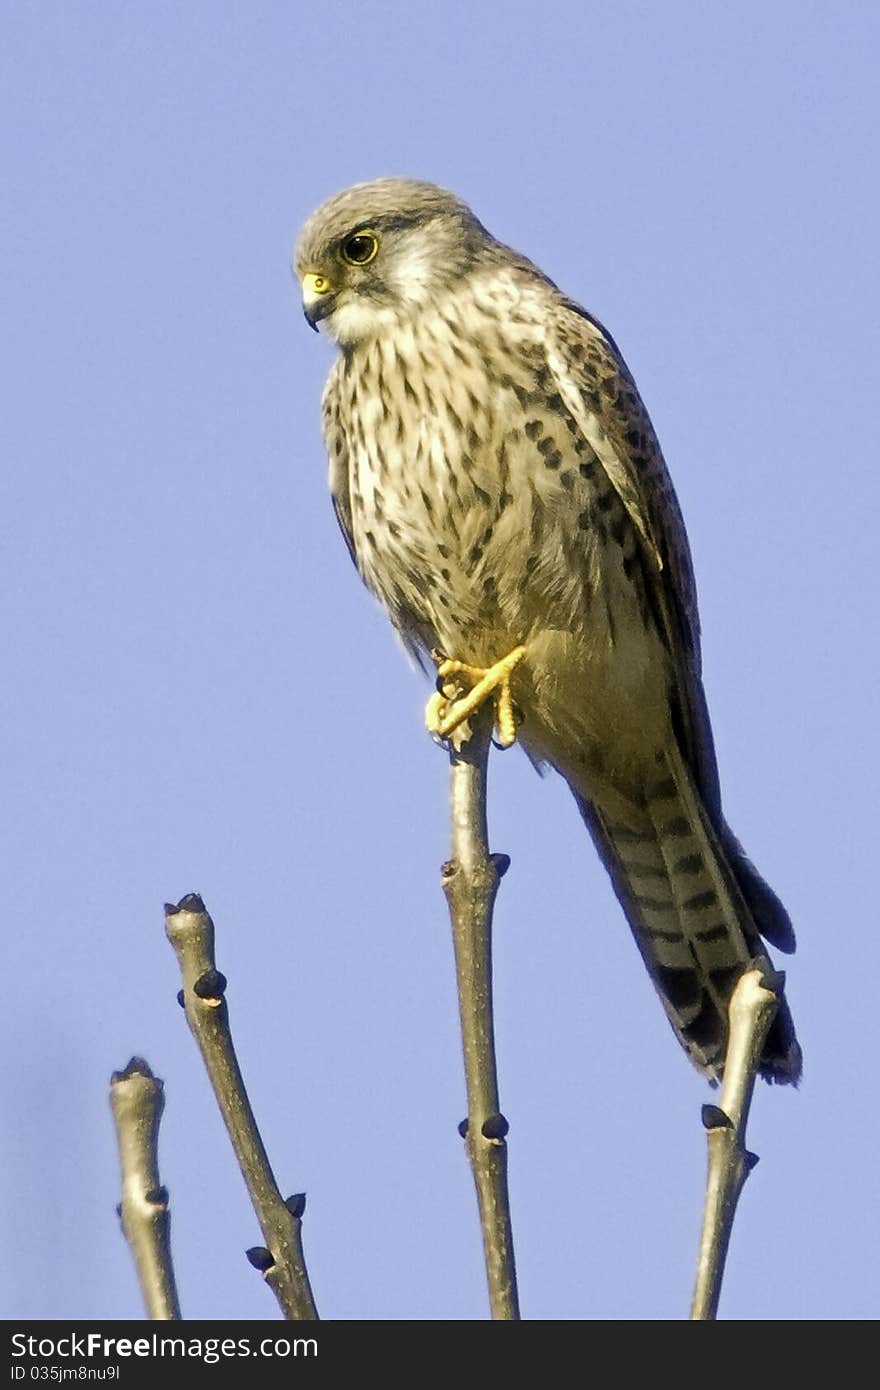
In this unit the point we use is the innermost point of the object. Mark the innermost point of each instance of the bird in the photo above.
(503, 494)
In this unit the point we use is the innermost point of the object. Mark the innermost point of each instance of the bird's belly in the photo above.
(474, 584)
(517, 539)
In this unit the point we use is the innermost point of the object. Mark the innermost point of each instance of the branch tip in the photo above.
(191, 902)
(137, 1099)
(774, 980)
(136, 1066)
(751, 1010)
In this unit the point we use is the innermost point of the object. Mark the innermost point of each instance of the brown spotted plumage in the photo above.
(499, 484)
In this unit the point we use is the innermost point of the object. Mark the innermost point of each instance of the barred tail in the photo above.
(696, 907)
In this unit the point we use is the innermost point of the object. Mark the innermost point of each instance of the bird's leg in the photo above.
(451, 706)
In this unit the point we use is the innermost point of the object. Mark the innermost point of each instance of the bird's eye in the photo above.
(360, 248)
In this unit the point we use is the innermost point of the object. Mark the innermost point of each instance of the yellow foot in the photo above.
(451, 705)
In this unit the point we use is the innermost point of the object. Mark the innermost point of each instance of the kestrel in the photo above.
(503, 494)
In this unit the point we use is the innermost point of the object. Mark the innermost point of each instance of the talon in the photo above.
(505, 718)
(434, 711)
(510, 716)
(449, 707)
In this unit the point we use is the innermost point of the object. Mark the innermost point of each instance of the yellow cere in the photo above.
(314, 285)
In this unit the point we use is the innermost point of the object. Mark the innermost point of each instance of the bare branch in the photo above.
(752, 1008)
(470, 882)
(191, 933)
(137, 1101)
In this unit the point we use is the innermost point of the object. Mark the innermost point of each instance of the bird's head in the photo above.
(380, 252)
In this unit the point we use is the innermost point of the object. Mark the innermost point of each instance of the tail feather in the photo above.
(695, 905)
(771, 918)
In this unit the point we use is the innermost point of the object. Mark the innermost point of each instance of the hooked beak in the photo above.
(318, 298)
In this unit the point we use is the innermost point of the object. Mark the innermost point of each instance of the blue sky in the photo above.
(198, 694)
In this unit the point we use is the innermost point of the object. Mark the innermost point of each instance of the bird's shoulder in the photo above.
(599, 390)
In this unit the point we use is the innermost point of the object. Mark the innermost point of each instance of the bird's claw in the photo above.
(463, 689)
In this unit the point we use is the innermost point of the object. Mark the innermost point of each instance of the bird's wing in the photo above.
(598, 391)
(337, 454)
(596, 387)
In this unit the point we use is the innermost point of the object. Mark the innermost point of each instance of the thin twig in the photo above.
(470, 882)
(191, 933)
(137, 1101)
(751, 1011)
